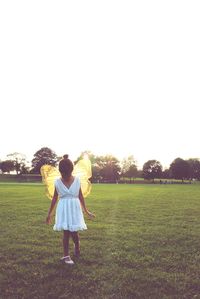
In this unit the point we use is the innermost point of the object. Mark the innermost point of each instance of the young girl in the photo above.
(69, 216)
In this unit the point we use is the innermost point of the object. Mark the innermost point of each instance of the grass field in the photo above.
(144, 243)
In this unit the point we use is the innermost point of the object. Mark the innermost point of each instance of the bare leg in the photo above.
(75, 238)
(66, 235)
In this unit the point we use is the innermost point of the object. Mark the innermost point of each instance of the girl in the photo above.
(69, 216)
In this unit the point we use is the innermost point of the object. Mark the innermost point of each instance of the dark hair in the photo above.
(66, 166)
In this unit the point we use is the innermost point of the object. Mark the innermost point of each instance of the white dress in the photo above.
(69, 215)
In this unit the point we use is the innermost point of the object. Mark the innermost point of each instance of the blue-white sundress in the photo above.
(69, 215)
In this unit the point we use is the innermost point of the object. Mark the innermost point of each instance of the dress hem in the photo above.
(71, 229)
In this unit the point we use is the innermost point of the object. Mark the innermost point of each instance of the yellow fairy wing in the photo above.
(83, 170)
(49, 174)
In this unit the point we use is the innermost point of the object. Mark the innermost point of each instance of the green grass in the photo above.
(144, 243)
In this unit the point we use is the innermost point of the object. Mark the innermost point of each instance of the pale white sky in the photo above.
(113, 77)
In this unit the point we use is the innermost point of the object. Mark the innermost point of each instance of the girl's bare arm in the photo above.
(53, 202)
(82, 201)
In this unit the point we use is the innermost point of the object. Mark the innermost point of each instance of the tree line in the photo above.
(107, 168)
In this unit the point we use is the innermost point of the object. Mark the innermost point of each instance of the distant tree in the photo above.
(132, 172)
(97, 166)
(109, 169)
(152, 169)
(126, 163)
(166, 174)
(139, 173)
(180, 169)
(19, 161)
(44, 156)
(7, 166)
(194, 168)
(24, 169)
(96, 173)
(129, 168)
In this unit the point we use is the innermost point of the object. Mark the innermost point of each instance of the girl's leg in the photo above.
(75, 238)
(66, 235)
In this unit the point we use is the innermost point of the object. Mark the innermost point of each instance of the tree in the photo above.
(24, 169)
(152, 169)
(129, 168)
(19, 161)
(132, 172)
(194, 168)
(44, 156)
(109, 168)
(180, 169)
(7, 166)
(166, 174)
(139, 173)
(96, 173)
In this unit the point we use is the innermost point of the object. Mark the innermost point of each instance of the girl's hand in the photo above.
(90, 215)
(48, 219)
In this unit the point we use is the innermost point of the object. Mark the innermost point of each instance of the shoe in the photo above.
(67, 260)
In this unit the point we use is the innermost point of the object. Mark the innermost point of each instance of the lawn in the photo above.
(144, 243)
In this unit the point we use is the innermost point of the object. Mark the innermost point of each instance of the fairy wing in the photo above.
(49, 174)
(83, 170)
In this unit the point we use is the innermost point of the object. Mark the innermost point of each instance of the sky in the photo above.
(112, 77)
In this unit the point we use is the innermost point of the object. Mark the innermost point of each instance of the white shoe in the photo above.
(67, 260)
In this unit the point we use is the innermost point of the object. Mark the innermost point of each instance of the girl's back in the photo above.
(67, 191)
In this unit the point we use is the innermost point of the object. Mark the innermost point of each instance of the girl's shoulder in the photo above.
(57, 180)
(77, 179)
